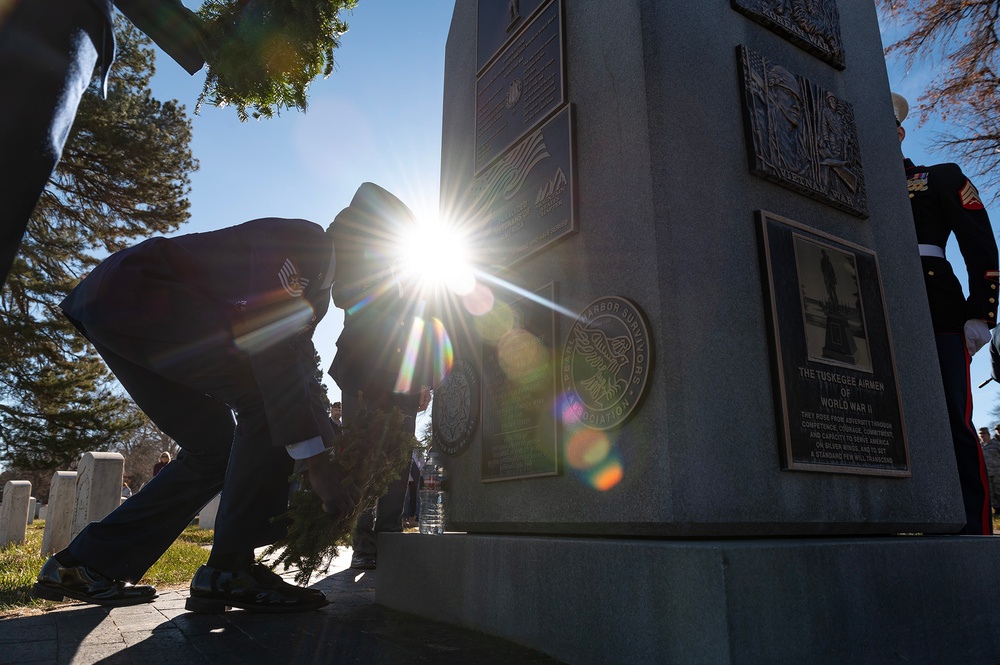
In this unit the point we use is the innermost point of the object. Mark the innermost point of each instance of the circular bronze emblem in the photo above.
(455, 415)
(606, 362)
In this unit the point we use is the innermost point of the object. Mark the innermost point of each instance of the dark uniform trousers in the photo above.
(387, 516)
(48, 51)
(944, 202)
(369, 359)
(155, 314)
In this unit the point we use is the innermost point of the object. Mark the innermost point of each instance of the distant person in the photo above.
(996, 436)
(337, 413)
(211, 335)
(48, 52)
(164, 460)
(984, 436)
(379, 315)
(946, 203)
(126, 490)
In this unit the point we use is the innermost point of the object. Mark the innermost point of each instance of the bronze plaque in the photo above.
(836, 393)
(497, 21)
(813, 25)
(455, 414)
(520, 431)
(606, 362)
(800, 135)
(526, 201)
(523, 86)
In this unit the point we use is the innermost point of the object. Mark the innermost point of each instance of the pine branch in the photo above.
(372, 451)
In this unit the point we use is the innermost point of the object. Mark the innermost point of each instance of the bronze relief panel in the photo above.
(813, 25)
(801, 136)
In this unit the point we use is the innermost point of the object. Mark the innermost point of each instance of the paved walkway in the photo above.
(352, 629)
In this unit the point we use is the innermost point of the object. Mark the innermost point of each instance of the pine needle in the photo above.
(372, 451)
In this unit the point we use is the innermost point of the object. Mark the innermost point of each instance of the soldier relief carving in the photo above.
(801, 136)
(814, 25)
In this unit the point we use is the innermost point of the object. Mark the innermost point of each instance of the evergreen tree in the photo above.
(124, 174)
(961, 35)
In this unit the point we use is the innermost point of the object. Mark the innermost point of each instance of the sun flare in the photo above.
(438, 256)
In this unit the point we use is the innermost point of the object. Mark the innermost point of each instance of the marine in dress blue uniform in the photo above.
(211, 335)
(945, 202)
(48, 51)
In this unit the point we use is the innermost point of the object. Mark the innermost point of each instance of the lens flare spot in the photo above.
(496, 323)
(608, 475)
(521, 355)
(569, 411)
(444, 354)
(479, 300)
(587, 448)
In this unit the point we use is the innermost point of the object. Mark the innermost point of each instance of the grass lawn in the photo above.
(20, 563)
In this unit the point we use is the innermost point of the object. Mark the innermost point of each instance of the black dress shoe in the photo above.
(364, 562)
(57, 581)
(254, 590)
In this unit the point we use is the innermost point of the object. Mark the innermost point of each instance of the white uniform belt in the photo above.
(931, 250)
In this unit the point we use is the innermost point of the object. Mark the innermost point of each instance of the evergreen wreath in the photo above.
(263, 54)
(372, 451)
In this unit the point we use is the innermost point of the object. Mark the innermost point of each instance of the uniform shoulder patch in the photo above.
(291, 279)
(970, 197)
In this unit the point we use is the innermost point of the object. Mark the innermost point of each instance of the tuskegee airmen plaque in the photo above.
(606, 362)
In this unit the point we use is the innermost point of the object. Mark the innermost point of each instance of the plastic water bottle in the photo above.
(432, 496)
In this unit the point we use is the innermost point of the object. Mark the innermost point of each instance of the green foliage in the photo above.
(263, 54)
(19, 566)
(181, 560)
(372, 451)
(124, 174)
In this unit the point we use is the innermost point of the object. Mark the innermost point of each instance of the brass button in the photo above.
(930, 273)
(993, 286)
(993, 299)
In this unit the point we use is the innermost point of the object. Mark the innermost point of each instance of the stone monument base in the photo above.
(906, 599)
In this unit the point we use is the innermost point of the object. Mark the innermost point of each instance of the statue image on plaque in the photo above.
(831, 304)
(836, 396)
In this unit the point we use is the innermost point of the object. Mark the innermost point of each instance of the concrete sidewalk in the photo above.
(352, 629)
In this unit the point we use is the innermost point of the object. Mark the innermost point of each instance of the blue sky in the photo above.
(378, 118)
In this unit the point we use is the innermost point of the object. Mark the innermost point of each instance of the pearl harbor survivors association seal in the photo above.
(606, 362)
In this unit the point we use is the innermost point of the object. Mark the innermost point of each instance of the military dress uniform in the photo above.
(944, 202)
(48, 51)
(211, 335)
(379, 317)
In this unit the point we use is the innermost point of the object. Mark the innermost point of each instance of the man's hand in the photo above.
(977, 335)
(327, 480)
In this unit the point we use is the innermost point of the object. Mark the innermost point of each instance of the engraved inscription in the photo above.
(519, 431)
(836, 391)
(800, 135)
(456, 409)
(813, 25)
(522, 86)
(525, 201)
(606, 362)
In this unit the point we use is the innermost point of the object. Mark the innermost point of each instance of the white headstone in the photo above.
(206, 518)
(59, 512)
(32, 509)
(42, 511)
(14, 511)
(98, 488)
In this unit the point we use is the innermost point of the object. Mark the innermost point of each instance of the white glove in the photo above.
(977, 335)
